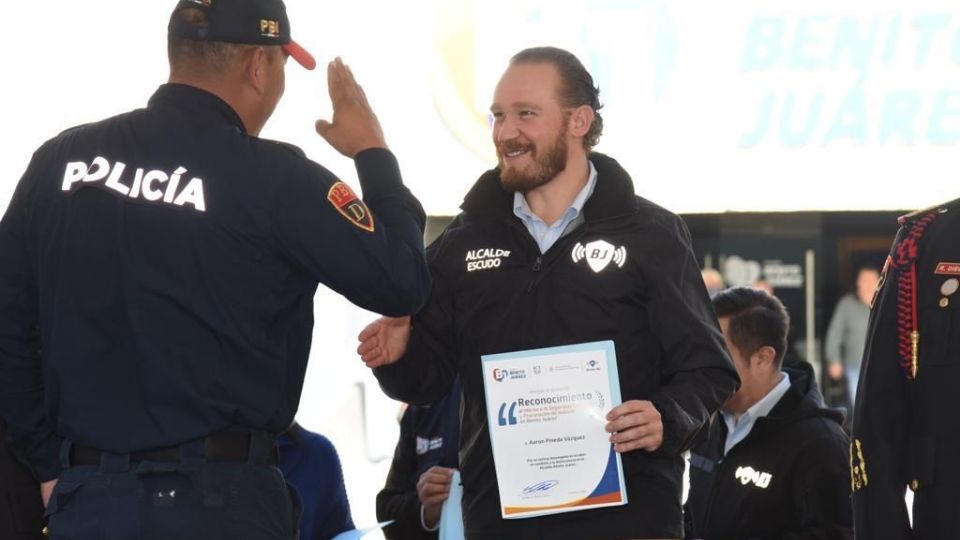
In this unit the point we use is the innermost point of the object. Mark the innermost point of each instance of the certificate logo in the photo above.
(507, 417)
(540, 487)
(502, 374)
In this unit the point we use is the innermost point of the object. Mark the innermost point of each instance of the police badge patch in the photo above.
(350, 206)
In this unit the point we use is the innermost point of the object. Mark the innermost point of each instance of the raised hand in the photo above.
(354, 126)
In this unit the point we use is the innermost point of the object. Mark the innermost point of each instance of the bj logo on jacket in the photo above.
(749, 475)
(598, 254)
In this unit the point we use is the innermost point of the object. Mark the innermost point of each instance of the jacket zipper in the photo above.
(538, 263)
(535, 268)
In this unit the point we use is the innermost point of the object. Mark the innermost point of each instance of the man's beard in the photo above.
(546, 164)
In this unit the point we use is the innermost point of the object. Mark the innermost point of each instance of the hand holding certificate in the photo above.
(635, 425)
(547, 413)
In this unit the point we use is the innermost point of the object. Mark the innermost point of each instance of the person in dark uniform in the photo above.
(530, 264)
(157, 274)
(423, 464)
(21, 508)
(773, 462)
(905, 427)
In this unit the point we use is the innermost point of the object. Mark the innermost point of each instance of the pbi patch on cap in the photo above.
(350, 206)
(270, 29)
(948, 269)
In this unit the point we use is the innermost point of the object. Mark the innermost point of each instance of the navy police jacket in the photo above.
(495, 292)
(787, 480)
(906, 431)
(157, 274)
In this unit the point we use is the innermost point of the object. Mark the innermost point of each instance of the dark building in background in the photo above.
(779, 247)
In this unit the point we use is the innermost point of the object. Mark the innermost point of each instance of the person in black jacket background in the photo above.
(423, 463)
(773, 462)
(554, 248)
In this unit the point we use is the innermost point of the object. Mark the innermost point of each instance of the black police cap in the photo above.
(253, 22)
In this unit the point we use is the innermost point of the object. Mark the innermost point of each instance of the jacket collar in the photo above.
(802, 400)
(613, 196)
(197, 101)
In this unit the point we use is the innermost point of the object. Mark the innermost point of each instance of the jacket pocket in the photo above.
(62, 497)
(939, 328)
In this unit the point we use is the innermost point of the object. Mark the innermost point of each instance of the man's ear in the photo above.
(766, 356)
(580, 120)
(255, 69)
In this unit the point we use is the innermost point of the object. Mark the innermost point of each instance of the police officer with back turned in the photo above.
(157, 274)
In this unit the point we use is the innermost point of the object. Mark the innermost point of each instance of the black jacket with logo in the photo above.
(651, 302)
(428, 437)
(906, 429)
(788, 479)
(165, 263)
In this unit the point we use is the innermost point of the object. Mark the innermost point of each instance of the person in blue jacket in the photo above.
(310, 462)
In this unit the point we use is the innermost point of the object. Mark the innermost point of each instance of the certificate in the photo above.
(546, 410)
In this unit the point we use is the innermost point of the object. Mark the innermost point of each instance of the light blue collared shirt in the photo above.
(546, 235)
(737, 430)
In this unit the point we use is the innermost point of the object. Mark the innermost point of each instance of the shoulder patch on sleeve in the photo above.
(350, 206)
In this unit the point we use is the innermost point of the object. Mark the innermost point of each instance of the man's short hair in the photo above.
(757, 319)
(208, 57)
(576, 84)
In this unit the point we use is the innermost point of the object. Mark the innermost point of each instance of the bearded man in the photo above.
(507, 277)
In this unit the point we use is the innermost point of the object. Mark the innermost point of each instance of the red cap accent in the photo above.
(300, 54)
